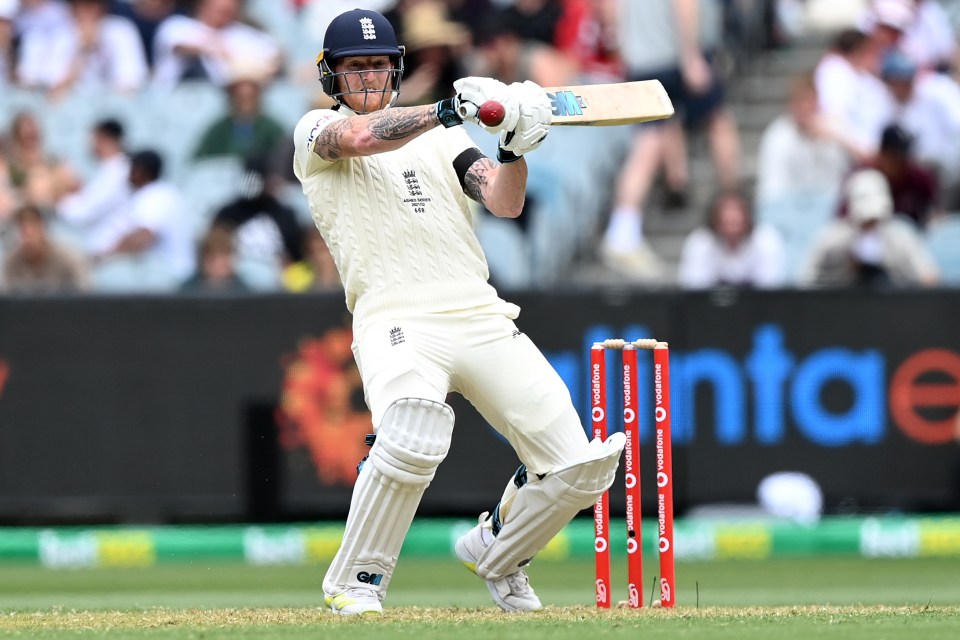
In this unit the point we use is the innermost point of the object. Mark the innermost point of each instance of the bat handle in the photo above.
(468, 110)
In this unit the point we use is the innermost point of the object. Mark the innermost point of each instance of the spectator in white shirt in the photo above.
(94, 50)
(849, 90)
(209, 44)
(41, 16)
(92, 214)
(157, 236)
(731, 251)
(802, 153)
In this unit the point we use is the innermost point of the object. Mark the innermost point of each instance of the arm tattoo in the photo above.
(329, 143)
(397, 124)
(477, 178)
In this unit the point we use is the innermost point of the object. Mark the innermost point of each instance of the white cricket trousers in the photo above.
(481, 354)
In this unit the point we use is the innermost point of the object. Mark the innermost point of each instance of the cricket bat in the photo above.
(593, 104)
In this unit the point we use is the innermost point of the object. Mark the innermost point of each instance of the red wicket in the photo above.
(601, 509)
(664, 457)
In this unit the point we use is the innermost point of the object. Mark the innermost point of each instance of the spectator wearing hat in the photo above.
(245, 130)
(929, 41)
(870, 247)
(887, 22)
(38, 264)
(434, 45)
(914, 188)
(92, 50)
(926, 105)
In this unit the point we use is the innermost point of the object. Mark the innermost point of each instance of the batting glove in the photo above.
(473, 91)
(533, 125)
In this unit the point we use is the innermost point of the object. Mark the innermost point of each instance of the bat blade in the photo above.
(609, 104)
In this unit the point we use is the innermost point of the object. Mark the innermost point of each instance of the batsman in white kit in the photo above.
(388, 189)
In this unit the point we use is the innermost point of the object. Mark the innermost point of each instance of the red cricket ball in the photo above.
(491, 113)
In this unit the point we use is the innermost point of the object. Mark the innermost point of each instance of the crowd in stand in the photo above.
(145, 144)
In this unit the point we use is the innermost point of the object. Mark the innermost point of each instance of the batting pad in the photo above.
(541, 509)
(412, 441)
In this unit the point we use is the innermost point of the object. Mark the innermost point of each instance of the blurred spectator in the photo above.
(8, 199)
(216, 271)
(94, 211)
(887, 21)
(914, 188)
(245, 130)
(435, 44)
(317, 271)
(208, 45)
(503, 53)
(919, 28)
(587, 34)
(536, 20)
(801, 152)
(730, 250)
(268, 236)
(850, 93)
(470, 12)
(37, 264)
(146, 15)
(8, 10)
(41, 178)
(156, 238)
(927, 106)
(869, 248)
(931, 40)
(672, 41)
(41, 16)
(93, 50)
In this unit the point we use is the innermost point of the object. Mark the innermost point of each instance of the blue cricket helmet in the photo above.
(360, 32)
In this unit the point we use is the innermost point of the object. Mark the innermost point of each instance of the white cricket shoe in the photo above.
(512, 592)
(355, 602)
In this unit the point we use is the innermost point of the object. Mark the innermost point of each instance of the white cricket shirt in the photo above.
(398, 224)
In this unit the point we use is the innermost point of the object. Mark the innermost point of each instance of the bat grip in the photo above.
(468, 111)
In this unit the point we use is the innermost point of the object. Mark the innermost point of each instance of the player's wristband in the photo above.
(447, 113)
(505, 156)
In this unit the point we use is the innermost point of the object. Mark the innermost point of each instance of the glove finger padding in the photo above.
(533, 126)
(473, 91)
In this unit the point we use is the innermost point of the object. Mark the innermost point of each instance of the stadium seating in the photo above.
(943, 240)
(799, 219)
(207, 185)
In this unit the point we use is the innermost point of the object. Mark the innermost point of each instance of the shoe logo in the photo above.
(370, 578)
(396, 336)
(516, 333)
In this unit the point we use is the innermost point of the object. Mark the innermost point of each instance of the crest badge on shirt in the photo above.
(416, 200)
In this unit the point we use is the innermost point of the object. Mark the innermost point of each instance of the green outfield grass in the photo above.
(848, 598)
